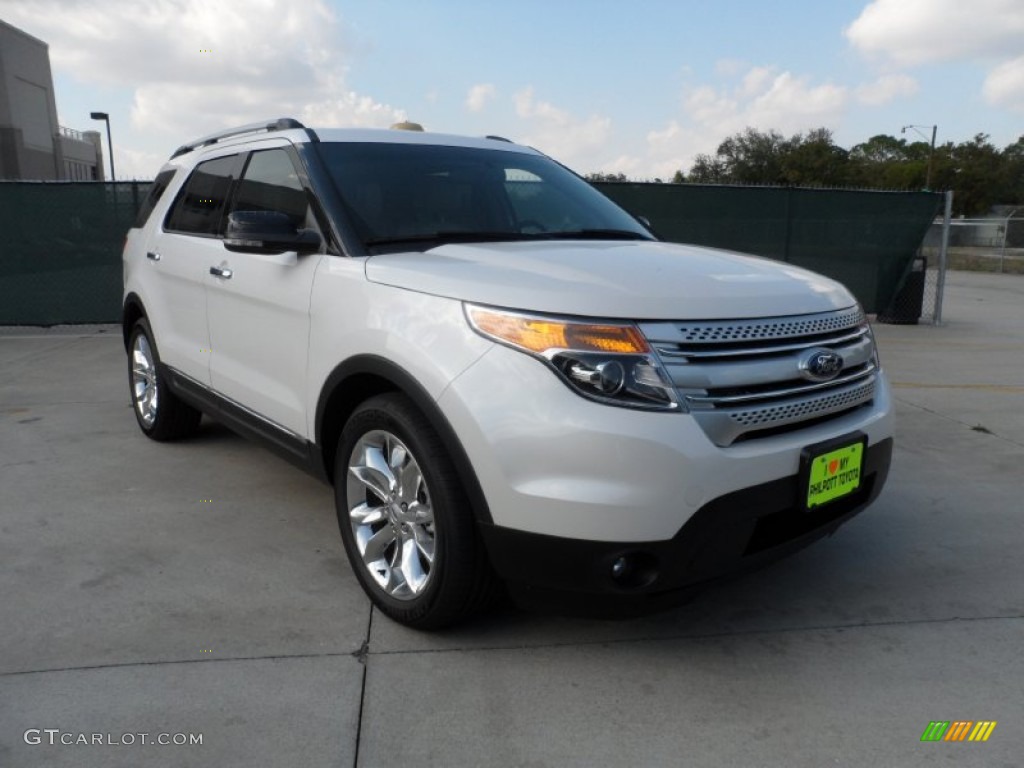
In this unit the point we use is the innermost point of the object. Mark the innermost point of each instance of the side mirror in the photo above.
(267, 232)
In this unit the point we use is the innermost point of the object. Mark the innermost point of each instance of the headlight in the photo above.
(609, 362)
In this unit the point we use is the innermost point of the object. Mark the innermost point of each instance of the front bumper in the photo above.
(737, 532)
(551, 462)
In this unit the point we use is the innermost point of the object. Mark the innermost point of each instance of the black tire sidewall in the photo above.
(452, 517)
(141, 328)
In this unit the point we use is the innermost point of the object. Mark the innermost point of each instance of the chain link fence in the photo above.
(919, 295)
(60, 255)
(865, 239)
(60, 250)
(993, 244)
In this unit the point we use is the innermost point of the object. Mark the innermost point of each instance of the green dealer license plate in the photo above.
(833, 473)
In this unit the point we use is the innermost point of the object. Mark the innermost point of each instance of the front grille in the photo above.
(772, 328)
(802, 410)
(741, 377)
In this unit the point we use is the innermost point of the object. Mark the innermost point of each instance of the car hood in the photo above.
(638, 280)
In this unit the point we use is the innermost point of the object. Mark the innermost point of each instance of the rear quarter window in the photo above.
(156, 191)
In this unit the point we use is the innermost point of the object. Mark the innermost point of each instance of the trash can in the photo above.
(907, 304)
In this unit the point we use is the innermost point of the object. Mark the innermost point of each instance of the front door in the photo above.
(258, 304)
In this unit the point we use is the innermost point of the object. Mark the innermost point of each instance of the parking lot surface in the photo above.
(201, 588)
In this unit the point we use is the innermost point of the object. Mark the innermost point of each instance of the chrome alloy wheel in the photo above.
(391, 515)
(144, 390)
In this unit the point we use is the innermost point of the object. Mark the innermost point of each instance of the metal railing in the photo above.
(71, 133)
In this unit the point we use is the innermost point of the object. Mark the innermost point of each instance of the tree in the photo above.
(598, 177)
(753, 157)
(885, 162)
(757, 157)
(880, 149)
(813, 160)
(707, 170)
(1011, 180)
(979, 174)
(978, 168)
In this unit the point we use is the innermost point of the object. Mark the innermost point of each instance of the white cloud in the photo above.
(133, 163)
(912, 32)
(791, 103)
(194, 66)
(1004, 85)
(885, 89)
(755, 81)
(763, 98)
(479, 95)
(559, 133)
(729, 67)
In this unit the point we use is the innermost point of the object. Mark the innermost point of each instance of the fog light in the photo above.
(634, 570)
(620, 568)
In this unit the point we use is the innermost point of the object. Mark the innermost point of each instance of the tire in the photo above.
(406, 522)
(160, 413)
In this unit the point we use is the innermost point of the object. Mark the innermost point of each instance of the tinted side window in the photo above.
(199, 207)
(270, 183)
(156, 191)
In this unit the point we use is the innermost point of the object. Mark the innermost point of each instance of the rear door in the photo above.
(180, 255)
(258, 304)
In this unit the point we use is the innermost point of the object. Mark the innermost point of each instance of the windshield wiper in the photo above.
(452, 237)
(462, 236)
(595, 234)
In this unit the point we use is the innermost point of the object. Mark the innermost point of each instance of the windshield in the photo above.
(416, 196)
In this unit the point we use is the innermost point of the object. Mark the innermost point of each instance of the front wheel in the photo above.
(161, 415)
(405, 520)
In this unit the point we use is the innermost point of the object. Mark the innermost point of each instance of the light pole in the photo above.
(931, 152)
(110, 144)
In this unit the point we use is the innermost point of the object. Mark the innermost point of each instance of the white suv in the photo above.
(506, 377)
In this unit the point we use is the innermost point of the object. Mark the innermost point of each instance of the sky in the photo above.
(625, 87)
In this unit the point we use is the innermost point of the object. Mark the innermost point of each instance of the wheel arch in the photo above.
(361, 377)
(131, 310)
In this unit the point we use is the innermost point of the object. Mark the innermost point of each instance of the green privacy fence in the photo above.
(60, 243)
(864, 239)
(60, 250)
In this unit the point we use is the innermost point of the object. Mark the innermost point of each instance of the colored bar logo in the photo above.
(959, 730)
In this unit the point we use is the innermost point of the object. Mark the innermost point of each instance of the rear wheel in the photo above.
(159, 412)
(406, 522)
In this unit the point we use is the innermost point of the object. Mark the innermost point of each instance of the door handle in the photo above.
(223, 272)
(152, 256)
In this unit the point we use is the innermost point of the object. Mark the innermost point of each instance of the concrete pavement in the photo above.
(201, 588)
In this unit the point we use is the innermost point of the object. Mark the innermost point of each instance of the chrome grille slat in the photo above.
(667, 351)
(807, 408)
(766, 329)
(778, 393)
(741, 377)
(726, 426)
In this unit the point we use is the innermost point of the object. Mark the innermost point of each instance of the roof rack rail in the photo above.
(500, 138)
(281, 124)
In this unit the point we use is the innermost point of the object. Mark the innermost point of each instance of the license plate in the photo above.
(833, 473)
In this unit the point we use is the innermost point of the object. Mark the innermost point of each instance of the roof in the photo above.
(298, 133)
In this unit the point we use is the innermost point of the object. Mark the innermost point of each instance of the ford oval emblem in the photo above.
(821, 365)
